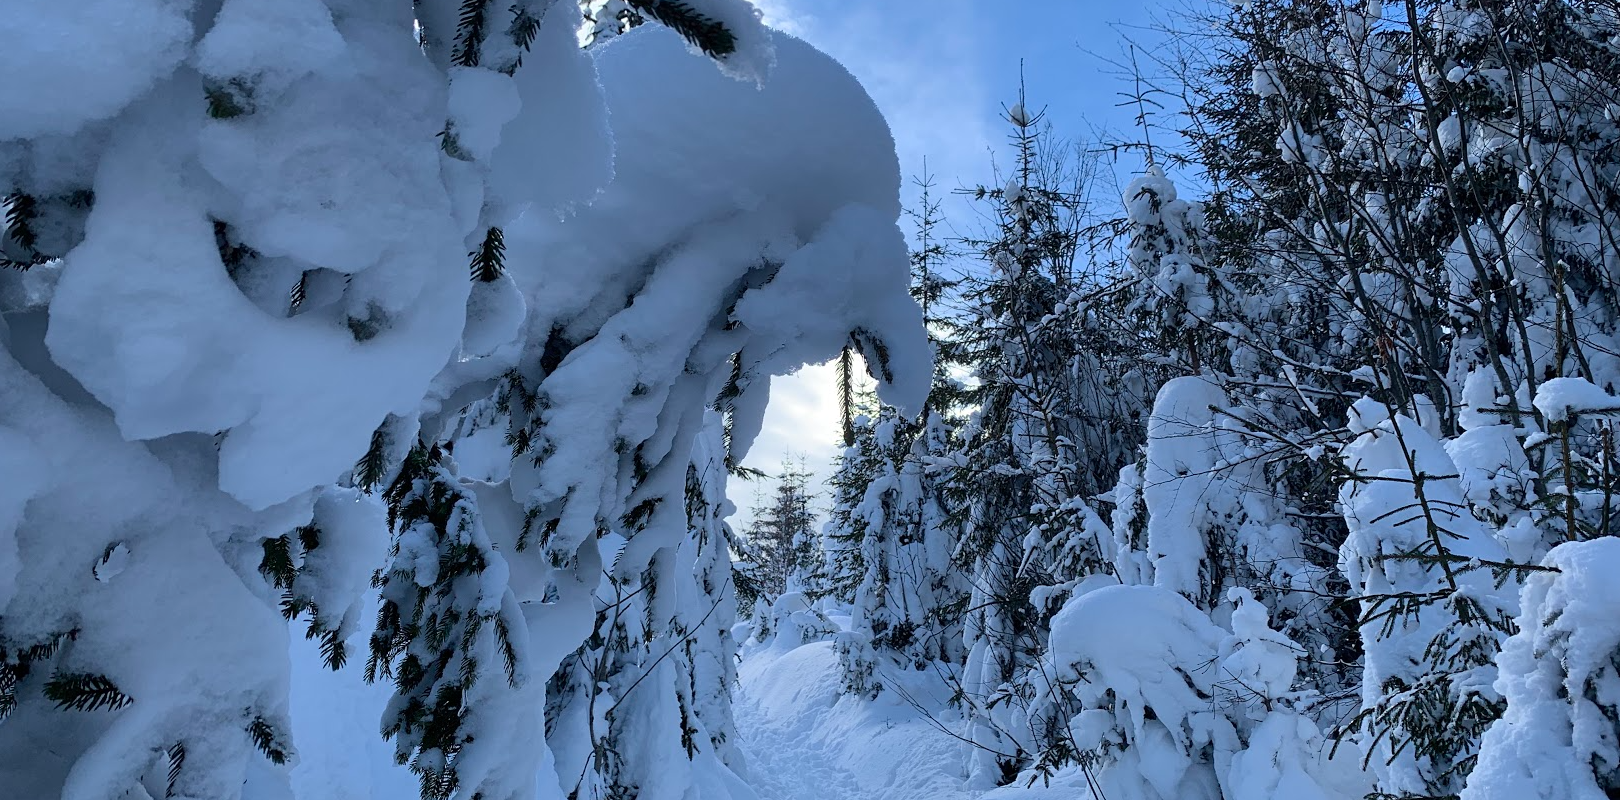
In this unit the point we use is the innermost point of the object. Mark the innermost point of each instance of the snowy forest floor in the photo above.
(802, 738)
(806, 740)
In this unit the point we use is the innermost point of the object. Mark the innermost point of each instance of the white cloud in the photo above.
(779, 15)
(801, 420)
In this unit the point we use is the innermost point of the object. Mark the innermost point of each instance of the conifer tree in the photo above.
(278, 253)
(1020, 480)
(445, 631)
(889, 539)
(781, 548)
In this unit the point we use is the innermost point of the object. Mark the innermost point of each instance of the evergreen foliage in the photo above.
(1342, 403)
(780, 547)
(444, 626)
(81, 691)
(704, 32)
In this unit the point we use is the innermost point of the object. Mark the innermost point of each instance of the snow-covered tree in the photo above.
(446, 631)
(1017, 457)
(1433, 615)
(888, 543)
(237, 298)
(1558, 672)
(1157, 702)
(781, 548)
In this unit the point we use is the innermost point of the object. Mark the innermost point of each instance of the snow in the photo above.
(806, 740)
(755, 55)
(1264, 82)
(99, 56)
(18, 457)
(1184, 445)
(335, 723)
(268, 46)
(336, 575)
(1277, 763)
(149, 321)
(272, 277)
(1561, 398)
(1409, 495)
(1560, 678)
(558, 151)
(250, 314)
(481, 102)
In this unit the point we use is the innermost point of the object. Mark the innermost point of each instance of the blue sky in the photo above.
(943, 72)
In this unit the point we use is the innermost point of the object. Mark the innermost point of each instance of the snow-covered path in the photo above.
(805, 741)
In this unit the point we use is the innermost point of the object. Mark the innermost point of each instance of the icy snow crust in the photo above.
(168, 410)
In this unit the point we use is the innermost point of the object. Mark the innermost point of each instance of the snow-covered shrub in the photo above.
(1560, 677)
(792, 620)
(1433, 611)
(1159, 703)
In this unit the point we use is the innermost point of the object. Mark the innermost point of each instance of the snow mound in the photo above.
(1560, 675)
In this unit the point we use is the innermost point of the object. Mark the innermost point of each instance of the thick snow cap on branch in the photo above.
(99, 56)
(341, 176)
(1135, 641)
(751, 220)
(798, 172)
(755, 52)
(1558, 398)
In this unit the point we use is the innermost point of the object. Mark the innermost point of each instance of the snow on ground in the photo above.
(803, 738)
(807, 741)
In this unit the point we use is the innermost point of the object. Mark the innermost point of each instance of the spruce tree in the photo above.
(781, 547)
(1022, 483)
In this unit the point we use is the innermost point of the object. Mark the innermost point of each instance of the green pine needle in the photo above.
(707, 34)
(177, 761)
(82, 691)
(264, 737)
(489, 260)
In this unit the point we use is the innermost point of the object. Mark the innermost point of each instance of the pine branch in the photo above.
(229, 100)
(177, 761)
(264, 737)
(298, 294)
(8, 690)
(707, 34)
(846, 394)
(234, 256)
(82, 691)
(525, 26)
(372, 468)
(334, 653)
(309, 536)
(366, 328)
(489, 260)
(874, 351)
(509, 655)
(276, 565)
(21, 211)
(470, 33)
